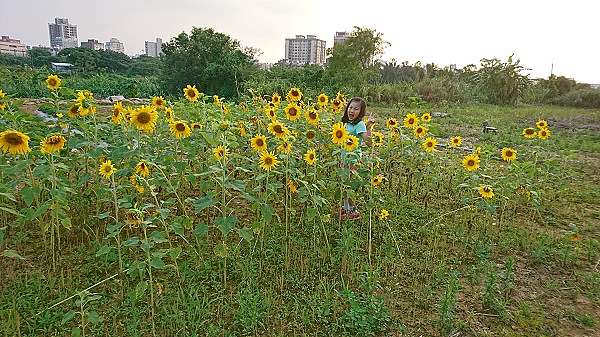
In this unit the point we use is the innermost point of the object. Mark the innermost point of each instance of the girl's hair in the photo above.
(363, 108)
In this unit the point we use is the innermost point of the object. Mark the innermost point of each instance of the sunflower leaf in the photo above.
(225, 224)
(202, 203)
(12, 254)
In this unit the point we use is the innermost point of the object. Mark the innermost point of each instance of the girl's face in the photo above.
(353, 110)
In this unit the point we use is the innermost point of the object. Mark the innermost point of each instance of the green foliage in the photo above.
(352, 63)
(583, 98)
(366, 315)
(501, 82)
(448, 303)
(211, 60)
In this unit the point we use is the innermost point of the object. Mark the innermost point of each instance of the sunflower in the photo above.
(225, 108)
(509, 154)
(180, 129)
(259, 143)
(377, 138)
(420, 131)
(221, 152)
(336, 105)
(383, 214)
(268, 161)
(285, 147)
(391, 123)
(471, 162)
(158, 102)
(541, 124)
(117, 115)
(191, 93)
(455, 141)
(52, 144)
(394, 134)
(14, 142)
(312, 117)
(351, 143)
(73, 111)
(340, 97)
(142, 169)
(277, 129)
(410, 120)
(294, 95)
(107, 169)
(216, 101)
(322, 100)
(242, 128)
(426, 117)
(144, 118)
(339, 134)
(429, 144)
(133, 218)
(276, 99)
(310, 157)
(53, 82)
(292, 112)
(544, 134)
(196, 126)
(529, 133)
(377, 180)
(292, 186)
(169, 114)
(486, 191)
(138, 187)
(270, 112)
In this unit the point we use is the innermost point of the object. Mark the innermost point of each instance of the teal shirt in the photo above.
(356, 130)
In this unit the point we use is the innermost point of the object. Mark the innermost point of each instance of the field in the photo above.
(179, 236)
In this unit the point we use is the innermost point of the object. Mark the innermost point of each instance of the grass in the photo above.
(531, 271)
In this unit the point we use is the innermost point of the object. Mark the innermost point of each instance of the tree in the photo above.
(501, 82)
(352, 63)
(213, 61)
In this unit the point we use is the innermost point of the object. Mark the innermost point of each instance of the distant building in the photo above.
(154, 49)
(595, 86)
(115, 45)
(265, 66)
(92, 44)
(12, 47)
(305, 50)
(64, 68)
(340, 37)
(62, 34)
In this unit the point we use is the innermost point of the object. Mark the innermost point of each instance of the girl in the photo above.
(353, 121)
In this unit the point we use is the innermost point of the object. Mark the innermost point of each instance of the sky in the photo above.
(541, 34)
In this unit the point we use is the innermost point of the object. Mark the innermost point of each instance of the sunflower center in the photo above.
(54, 140)
(529, 131)
(52, 82)
(277, 129)
(322, 99)
(339, 134)
(295, 93)
(180, 127)
(410, 121)
(311, 156)
(509, 153)
(471, 162)
(429, 144)
(259, 142)
(107, 169)
(268, 161)
(312, 115)
(14, 139)
(191, 93)
(310, 135)
(144, 118)
(292, 111)
(486, 189)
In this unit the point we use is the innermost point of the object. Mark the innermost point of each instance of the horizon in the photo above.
(541, 37)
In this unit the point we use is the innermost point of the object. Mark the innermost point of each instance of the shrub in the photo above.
(582, 98)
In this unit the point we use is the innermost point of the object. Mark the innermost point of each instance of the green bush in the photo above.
(582, 98)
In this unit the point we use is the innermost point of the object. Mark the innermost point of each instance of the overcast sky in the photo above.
(540, 33)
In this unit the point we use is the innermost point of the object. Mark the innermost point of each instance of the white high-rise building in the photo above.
(340, 37)
(154, 49)
(92, 44)
(305, 50)
(62, 34)
(115, 45)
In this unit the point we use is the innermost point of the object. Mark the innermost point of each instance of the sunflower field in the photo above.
(199, 216)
